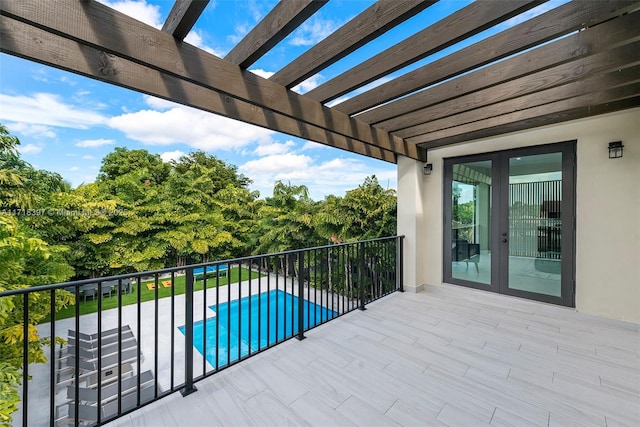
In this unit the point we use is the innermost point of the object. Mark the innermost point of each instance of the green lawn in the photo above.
(148, 295)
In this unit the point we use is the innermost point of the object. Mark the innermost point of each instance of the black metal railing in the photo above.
(130, 339)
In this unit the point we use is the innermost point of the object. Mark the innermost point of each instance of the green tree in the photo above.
(13, 192)
(26, 261)
(122, 161)
(366, 212)
(286, 220)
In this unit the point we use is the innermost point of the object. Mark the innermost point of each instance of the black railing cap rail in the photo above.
(78, 283)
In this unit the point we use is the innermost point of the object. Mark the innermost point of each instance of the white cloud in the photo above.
(196, 38)
(47, 109)
(311, 145)
(91, 143)
(30, 149)
(87, 157)
(74, 169)
(28, 129)
(270, 149)
(322, 178)
(150, 15)
(167, 156)
(532, 13)
(240, 30)
(273, 165)
(195, 128)
(140, 10)
(262, 73)
(313, 30)
(309, 84)
(159, 103)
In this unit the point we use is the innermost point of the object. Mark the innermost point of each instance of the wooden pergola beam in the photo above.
(183, 17)
(285, 17)
(541, 120)
(588, 42)
(371, 23)
(132, 40)
(547, 26)
(464, 23)
(549, 113)
(422, 121)
(36, 44)
(567, 91)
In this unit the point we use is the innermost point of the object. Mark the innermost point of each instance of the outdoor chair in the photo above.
(89, 291)
(107, 287)
(462, 250)
(125, 286)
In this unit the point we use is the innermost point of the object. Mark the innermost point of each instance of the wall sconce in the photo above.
(427, 168)
(615, 149)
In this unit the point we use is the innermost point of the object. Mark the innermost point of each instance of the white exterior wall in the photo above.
(607, 209)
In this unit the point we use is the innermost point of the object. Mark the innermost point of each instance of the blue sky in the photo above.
(68, 123)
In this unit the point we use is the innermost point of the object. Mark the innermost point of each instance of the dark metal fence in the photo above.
(136, 343)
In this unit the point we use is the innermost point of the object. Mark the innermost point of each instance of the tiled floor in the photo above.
(444, 356)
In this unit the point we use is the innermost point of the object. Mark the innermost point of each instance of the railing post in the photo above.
(400, 263)
(361, 276)
(188, 335)
(301, 296)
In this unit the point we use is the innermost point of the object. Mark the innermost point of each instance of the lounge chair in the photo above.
(106, 340)
(213, 269)
(108, 361)
(94, 336)
(89, 413)
(89, 352)
(110, 391)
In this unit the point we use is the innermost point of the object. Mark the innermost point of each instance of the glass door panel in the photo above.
(509, 220)
(535, 224)
(470, 222)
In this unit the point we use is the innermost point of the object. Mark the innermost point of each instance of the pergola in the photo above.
(577, 60)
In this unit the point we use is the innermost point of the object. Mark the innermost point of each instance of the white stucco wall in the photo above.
(607, 206)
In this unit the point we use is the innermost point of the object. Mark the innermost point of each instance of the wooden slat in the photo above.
(374, 21)
(555, 112)
(458, 26)
(183, 17)
(559, 93)
(285, 17)
(36, 44)
(423, 121)
(137, 42)
(549, 25)
(542, 120)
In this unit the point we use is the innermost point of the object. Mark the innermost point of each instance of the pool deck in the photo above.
(444, 356)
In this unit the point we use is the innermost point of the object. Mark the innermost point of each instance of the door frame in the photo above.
(499, 220)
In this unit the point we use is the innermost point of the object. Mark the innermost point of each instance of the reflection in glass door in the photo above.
(535, 223)
(471, 221)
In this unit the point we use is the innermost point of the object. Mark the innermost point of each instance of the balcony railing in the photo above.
(116, 360)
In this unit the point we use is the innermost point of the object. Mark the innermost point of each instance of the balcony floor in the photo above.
(444, 356)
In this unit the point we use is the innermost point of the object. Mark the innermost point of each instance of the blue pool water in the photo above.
(277, 314)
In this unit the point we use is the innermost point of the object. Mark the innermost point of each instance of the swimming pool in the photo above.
(274, 317)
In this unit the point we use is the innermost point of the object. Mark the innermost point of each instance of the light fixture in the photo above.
(615, 149)
(427, 168)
